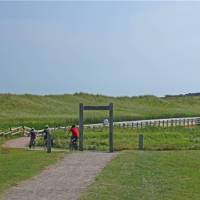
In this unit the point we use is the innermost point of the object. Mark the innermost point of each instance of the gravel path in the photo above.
(63, 181)
(21, 142)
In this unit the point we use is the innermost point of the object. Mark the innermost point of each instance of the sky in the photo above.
(110, 48)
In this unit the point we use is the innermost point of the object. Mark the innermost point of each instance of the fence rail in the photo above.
(171, 122)
(12, 131)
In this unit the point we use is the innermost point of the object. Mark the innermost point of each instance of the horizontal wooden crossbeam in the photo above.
(96, 108)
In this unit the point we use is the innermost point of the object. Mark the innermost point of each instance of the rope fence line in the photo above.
(171, 122)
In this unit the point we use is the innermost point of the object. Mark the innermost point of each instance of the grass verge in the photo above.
(149, 175)
(155, 138)
(17, 165)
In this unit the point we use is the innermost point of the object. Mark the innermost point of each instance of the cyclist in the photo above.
(32, 138)
(75, 135)
(45, 133)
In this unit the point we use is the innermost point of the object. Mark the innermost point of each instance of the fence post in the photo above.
(141, 142)
(48, 142)
(81, 126)
(188, 121)
(23, 130)
(111, 128)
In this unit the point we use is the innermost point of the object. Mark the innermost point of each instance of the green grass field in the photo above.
(132, 175)
(36, 111)
(17, 165)
(149, 175)
(155, 138)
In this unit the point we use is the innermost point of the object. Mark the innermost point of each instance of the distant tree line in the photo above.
(182, 95)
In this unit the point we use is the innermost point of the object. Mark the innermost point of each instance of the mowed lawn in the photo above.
(149, 175)
(17, 165)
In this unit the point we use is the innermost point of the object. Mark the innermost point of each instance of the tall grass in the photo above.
(36, 111)
(155, 138)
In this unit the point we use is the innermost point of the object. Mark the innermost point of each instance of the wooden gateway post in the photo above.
(82, 108)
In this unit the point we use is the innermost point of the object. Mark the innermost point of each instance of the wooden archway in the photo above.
(81, 127)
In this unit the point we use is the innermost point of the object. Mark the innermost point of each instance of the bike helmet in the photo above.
(46, 126)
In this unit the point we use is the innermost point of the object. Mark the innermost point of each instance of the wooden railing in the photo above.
(172, 122)
(193, 121)
(13, 131)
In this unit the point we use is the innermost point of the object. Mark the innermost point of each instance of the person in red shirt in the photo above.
(75, 135)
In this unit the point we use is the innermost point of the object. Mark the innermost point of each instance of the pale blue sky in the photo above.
(111, 48)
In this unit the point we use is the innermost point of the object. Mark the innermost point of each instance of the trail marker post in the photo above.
(48, 142)
(141, 142)
(81, 128)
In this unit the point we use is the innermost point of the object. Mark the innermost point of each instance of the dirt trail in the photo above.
(63, 181)
(21, 142)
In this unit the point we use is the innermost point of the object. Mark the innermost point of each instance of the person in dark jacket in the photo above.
(45, 134)
(32, 138)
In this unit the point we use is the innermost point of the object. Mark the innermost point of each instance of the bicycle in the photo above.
(73, 144)
(32, 143)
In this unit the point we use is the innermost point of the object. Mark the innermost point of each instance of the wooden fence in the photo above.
(24, 131)
(13, 131)
(172, 122)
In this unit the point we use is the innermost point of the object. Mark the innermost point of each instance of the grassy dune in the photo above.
(34, 110)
